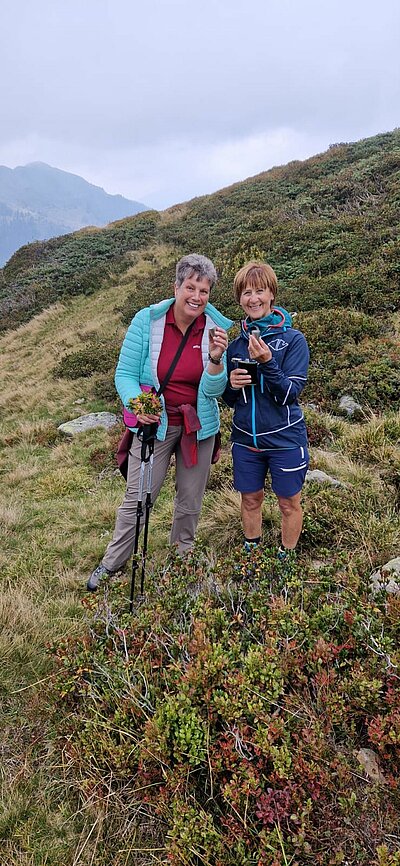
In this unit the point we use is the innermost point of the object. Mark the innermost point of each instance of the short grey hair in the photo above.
(195, 264)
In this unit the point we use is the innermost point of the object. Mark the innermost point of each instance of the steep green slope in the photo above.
(329, 226)
(40, 274)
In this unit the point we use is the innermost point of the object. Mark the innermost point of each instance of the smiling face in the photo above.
(256, 302)
(191, 298)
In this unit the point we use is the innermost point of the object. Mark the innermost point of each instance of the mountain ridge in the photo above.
(39, 201)
(328, 225)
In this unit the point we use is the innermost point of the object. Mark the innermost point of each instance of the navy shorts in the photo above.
(288, 469)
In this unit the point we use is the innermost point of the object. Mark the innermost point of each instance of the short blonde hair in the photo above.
(256, 275)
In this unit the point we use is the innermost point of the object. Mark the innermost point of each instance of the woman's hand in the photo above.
(217, 342)
(239, 379)
(258, 350)
(148, 419)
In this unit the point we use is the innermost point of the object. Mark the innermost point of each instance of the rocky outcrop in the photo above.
(322, 478)
(387, 577)
(88, 422)
(349, 406)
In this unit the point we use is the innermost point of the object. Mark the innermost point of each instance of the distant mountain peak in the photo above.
(40, 163)
(39, 201)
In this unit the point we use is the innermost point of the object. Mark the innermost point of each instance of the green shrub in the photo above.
(318, 429)
(351, 353)
(233, 704)
(104, 389)
(330, 331)
(376, 382)
(99, 356)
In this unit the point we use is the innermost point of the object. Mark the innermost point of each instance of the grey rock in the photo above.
(80, 400)
(88, 422)
(317, 564)
(387, 577)
(349, 406)
(370, 764)
(322, 478)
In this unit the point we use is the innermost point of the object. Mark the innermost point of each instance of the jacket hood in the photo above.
(159, 310)
(278, 321)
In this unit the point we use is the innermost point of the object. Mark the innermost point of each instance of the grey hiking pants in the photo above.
(190, 485)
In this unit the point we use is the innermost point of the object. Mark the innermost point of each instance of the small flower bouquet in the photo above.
(147, 403)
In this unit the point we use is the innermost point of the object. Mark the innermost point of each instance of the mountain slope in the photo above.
(38, 201)
(316, 645)
(328, 225)
(256, 692)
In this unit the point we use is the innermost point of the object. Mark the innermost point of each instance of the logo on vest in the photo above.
(278, 344)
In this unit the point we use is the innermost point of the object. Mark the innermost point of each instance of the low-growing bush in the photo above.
(330, 331)
(318, 429)
(100, 355)
(104, 456)
(104, 389)
(232, 707)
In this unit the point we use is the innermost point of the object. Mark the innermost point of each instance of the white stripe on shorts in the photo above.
(296, 468)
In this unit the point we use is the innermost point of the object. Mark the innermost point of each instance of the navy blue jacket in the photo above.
(271, 417)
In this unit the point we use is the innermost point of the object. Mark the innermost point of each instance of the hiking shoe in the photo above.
(96, 576)
(286, 554)
(286, 562)
(250, 546)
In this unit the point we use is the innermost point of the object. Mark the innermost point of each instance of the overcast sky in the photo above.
(162, 100)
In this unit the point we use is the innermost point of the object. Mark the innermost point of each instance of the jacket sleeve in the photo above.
(213, 386)
(127, 374)
(286, 383)
(230, 395)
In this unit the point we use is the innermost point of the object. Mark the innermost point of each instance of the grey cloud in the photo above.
(123, 75)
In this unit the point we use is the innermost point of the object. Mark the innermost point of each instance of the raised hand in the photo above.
(258, 350)
(217, 342)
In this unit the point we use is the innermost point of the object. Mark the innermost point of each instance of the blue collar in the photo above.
(278, 319)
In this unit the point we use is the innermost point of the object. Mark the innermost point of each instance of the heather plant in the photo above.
(233, 705)
(320, 428)
(146, 403)
(97, 356)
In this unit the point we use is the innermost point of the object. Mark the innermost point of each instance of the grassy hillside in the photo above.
(329, 226)
(221, 724)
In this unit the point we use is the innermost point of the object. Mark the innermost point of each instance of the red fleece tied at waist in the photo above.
(188, 442)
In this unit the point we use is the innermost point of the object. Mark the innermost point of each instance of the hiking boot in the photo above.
(96, 576)
(286, 554)
(250, 546)
(245, 568)
(286, 561)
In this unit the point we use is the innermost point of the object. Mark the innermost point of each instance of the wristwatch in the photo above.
(214, 360)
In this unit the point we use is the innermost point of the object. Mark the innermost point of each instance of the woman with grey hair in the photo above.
(189, 420)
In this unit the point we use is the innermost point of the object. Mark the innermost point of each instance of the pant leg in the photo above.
(190, 485)
(121, 546)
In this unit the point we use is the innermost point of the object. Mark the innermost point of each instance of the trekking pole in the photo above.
(147, 435)
(148, 506)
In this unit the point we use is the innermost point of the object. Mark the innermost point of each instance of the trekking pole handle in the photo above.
(147, 434)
